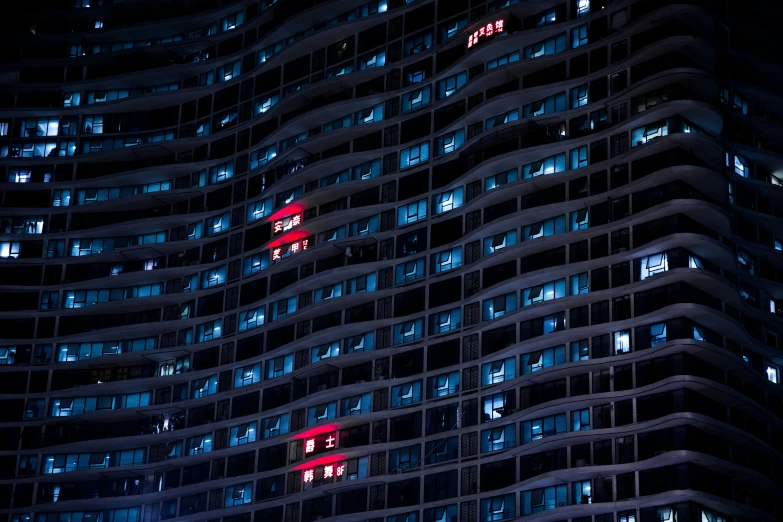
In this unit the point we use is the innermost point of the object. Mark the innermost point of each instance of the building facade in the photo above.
(391, 261)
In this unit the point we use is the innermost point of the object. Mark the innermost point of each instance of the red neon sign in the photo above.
(286, 223)
(325, 473)
(484, 32)
(290, 249)
(320, 443)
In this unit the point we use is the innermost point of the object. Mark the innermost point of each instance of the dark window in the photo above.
(621, 274)
(498, 273)
(241, 464)
(406, 427)
(580, 384)
(601, 381)
(351, 502)
(408, 363)
(443, 354)
(414, 129)
(272, 457)
(578, 252)
(446, 232)
(411, 243)
(443, 292)
(580, 455)
(409, 302)
(579, 316)
(403, 493)
(599, 312)
(626, 486)
(599, 247)
(442, 419)
(602, 452)
(441, 486)
(496, 475)
(271, 487)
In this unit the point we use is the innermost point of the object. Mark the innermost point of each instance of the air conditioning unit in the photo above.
(376, 441)
(396, 471)
(360, 381)
(580, 463)
(620, 250)
(321, 387)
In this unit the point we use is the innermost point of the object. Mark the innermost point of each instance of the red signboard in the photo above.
(284, 251)
(320, 443)
(285, 224)
(329, 471)
(485, 31)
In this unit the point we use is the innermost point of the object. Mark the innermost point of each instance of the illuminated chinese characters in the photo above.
(284, 251)
(320, 443)
(485, 31)
(286, 223)
(324, 474)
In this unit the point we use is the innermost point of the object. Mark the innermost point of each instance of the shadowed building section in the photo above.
(391, 261)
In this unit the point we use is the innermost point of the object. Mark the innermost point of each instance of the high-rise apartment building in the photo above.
(391, 261)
